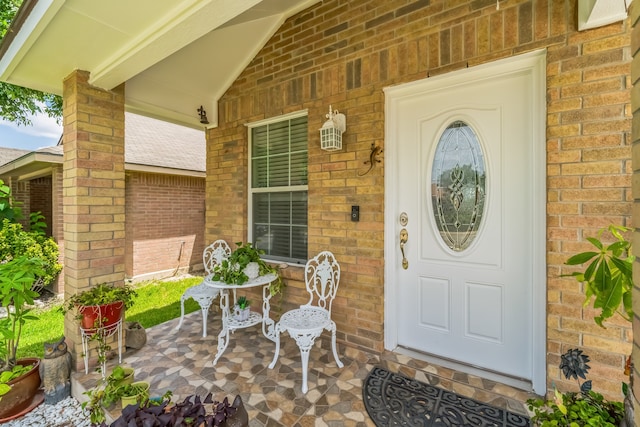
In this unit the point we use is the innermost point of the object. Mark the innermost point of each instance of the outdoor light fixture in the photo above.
(331, 131)
(203, 116)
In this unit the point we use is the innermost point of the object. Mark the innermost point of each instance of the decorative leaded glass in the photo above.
(458, 185)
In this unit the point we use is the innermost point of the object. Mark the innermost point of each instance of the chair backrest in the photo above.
(322, 277)
(214, 254)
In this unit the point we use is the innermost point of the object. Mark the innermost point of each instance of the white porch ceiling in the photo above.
(173, 55)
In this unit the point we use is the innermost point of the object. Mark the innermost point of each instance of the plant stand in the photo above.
(106, 332)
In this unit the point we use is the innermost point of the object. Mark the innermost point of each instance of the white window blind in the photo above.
(279, 189)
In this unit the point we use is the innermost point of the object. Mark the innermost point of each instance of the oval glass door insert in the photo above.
(458, 185)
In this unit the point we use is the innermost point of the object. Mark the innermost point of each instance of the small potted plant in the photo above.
(118, 385)
(242, 266)
(133, 393)
(242, 309)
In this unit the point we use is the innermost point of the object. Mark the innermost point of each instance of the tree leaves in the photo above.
(608, 276)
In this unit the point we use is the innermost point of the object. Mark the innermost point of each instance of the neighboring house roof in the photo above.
(153, 142)
(9, 154)
(150, 146)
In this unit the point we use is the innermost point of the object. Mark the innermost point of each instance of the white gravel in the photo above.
(66, 413)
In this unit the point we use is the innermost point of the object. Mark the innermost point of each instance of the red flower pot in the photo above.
(23, 390)
(100, 315)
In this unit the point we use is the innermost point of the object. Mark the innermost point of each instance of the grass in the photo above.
(157, 302)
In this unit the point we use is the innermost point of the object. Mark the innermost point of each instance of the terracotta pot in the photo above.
(109, 313)
(23, 389)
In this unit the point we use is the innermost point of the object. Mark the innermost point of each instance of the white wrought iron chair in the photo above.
(305, 324)
(204, 295)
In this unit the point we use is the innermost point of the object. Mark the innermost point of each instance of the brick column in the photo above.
(93, 191)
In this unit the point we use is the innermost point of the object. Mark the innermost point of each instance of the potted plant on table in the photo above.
(242, 309)
(245, 264)
(19, 379)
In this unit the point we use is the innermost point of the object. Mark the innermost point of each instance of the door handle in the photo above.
(404, 236)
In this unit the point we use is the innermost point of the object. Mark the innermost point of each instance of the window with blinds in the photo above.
(279, 189)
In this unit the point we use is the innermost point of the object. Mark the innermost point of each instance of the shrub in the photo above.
(16, 242)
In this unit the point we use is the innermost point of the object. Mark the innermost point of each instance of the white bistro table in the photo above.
(229, 322)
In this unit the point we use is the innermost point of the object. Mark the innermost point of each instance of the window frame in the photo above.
(251, 191)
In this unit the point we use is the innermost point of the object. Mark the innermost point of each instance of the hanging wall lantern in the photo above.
(331, 131)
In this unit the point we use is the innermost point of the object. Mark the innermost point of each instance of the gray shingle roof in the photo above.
(148, 142)
(156, 143)
(9, 154)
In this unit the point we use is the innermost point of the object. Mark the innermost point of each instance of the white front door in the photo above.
(465, 188)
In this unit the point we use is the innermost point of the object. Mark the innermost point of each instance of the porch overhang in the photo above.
(173, 55)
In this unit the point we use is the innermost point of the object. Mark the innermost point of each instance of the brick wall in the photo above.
(345, 53)
(40, 199)
(20, 192)
(165, 224)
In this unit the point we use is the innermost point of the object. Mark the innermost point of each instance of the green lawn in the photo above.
(157, 302)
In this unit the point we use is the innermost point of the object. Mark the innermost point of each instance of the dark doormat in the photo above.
(395, 400)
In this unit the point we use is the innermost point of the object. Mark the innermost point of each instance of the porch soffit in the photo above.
(173, 55)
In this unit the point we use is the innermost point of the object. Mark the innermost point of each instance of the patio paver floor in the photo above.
(182, 362)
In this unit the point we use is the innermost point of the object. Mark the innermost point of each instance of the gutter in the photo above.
(51, 158)
(28, 159)
(164, 170)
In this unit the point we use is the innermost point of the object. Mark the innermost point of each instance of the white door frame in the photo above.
(535, 62)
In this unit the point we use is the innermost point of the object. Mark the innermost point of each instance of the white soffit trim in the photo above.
(190, 20)
(42, 13)
(597, 13)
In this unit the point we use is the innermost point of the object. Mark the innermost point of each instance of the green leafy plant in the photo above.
(608, 276)
(232, 269)
(576, 409)
(104, 293)
(15, 242)
(119, 375)
(109, 390)
(6, 376)
(242, 302)
(16, 295)
(9, 208)
(37, 224)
